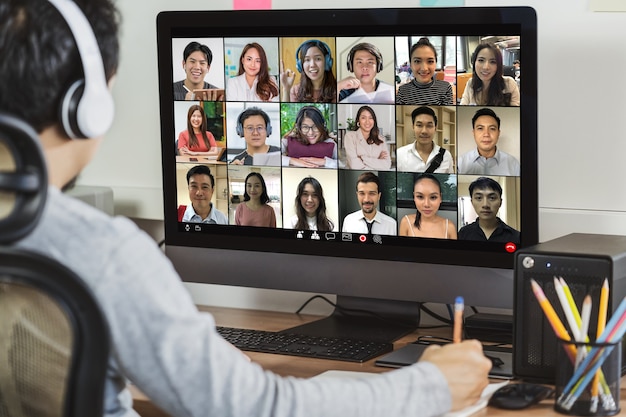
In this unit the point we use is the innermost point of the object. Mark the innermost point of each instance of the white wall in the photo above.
(581, 125)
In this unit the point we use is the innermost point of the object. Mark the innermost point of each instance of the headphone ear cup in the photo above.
(25, 182)
(69, 109)
(329, 62)
(298, 62)
(239, 127)
(268, 128)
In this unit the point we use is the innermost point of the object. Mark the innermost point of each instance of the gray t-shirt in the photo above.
(172, 352)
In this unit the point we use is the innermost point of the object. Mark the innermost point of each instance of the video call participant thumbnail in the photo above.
(487, 159)
(317, 84)
(369, 220)
(488, 85)
(365, 147)
(426, 222)
(365, 61)
(310, 206)
(197, 60)
(255, 126)
(201, 184)
(424, 89)
(424, 155)
(253, 82)
(255, 210)
(308, 144)
(196, 139)
(486, 195)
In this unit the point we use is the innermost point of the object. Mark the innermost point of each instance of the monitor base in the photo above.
(365, 318)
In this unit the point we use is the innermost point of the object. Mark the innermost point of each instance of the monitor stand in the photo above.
(365, 318)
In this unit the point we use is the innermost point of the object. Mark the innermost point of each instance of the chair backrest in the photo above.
(54, 338)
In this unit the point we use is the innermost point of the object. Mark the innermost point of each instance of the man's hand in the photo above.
(464, 366)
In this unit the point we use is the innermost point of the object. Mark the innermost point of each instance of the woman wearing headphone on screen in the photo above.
(310, 208)
(426, 222)
(253, 83)
(196, 140)
(365, 146)
(309, 144)
(317, 81)
(488, 86)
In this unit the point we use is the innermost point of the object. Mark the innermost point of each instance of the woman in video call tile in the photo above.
(196, 140)
(426, 222)
(254, 125)
(310, 208)
(254, 210)
(488, 86)
(253, 83)
(309, 144)
(365, 146)
(424, 89)
(317, 81)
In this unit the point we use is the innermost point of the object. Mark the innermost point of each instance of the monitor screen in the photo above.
(334, 151)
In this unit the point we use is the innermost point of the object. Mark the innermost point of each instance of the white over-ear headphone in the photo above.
(87, 108)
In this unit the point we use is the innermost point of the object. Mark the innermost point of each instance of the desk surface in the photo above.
(309, 367)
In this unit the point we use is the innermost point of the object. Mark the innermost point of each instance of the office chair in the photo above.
(54, 338)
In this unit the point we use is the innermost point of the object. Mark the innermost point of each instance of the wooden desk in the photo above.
(308, 367)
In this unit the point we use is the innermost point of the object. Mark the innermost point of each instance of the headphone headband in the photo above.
(87, 108)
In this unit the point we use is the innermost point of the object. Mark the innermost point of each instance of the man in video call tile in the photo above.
(254, 125)
(487, 159)
(201, 182)
(486, 196)
(365, 61)
(196, 63)
(424, 155)
(369, 220)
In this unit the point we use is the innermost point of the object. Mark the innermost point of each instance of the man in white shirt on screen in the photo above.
(369, 220)
(201, 184)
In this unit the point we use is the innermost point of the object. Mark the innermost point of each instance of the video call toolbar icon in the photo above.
(346, 237)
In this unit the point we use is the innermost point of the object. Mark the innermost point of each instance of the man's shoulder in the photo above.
(383, 217)
(354, 215)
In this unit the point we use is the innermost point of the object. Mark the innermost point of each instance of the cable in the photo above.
(354, 311)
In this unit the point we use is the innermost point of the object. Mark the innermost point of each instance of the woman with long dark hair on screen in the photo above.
(426, 222)
(253, 82)
(488, 86)
(196, 140)
(310, 207)
(308, 144)
(317, 81)
(365, 146)
(254, 210)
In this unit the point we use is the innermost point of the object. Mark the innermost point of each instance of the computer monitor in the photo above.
(377, 275)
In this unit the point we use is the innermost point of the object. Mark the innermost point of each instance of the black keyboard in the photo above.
(351, 350)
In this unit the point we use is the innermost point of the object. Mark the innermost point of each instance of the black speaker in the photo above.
(583, 261)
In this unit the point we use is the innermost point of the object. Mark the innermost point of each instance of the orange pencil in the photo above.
(553, 319)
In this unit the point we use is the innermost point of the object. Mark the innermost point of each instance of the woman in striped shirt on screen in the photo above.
(424, 89)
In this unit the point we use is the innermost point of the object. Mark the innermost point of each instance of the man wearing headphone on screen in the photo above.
(160, 341)
(365, 61)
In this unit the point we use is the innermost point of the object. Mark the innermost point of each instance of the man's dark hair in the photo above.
(423, 110)
(39, 58)
(197, 46)
(483, 183)
(201, 170)
(485, 112)
(368, 177)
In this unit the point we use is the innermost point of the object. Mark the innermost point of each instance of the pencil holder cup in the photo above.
(588, 378)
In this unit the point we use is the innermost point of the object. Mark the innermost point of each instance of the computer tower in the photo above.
(583, 261)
